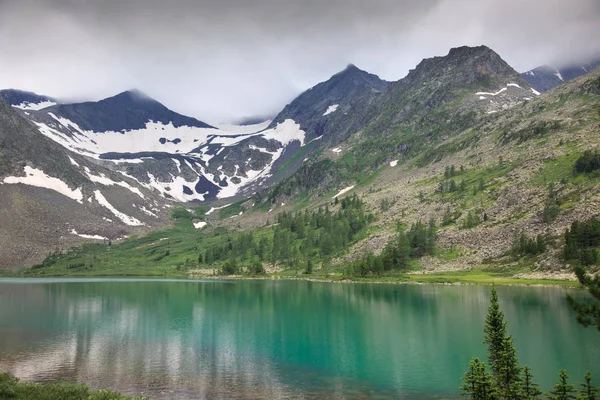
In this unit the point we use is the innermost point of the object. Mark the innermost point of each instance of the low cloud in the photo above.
(224, 59)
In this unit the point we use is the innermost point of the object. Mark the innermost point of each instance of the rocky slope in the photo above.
(440, 97)
(53, 198)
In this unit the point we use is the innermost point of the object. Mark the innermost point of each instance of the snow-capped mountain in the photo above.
(110, 168)
(546, 77)
(26, 100)
(181, 158)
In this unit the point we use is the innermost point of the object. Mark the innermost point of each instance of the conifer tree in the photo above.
(495, 331)
(477, 382)
(502, 354)
(529, 389)
(563, 390)
(587, 390)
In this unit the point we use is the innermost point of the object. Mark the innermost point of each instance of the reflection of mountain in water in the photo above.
(272, 339)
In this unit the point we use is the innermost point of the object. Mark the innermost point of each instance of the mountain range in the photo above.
(105, 170)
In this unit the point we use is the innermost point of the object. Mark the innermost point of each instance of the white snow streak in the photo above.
(37, 177)
(123, 217)
(559, 76)
(103, 180)
(96, 237)
(535, 92)
(344, 190)
(213, 209)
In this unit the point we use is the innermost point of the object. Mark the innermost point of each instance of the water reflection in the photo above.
(276, 339)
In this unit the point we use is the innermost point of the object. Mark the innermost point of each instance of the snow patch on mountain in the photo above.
(491, 94)
(126, 219)
(34, 106)
(103, 180)
(286, 132)
(200, 225)
(213, 209)
(37, 177)
(393, 163)
(331, 109)
(343, 191)
(95, 237)
(559, 76)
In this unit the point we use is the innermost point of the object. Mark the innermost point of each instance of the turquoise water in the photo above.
(277, 339)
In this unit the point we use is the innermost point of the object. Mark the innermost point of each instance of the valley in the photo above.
(462, 144)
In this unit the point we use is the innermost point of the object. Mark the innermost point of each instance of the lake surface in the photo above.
(277, 339)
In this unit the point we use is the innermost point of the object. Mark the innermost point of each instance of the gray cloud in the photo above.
(230, 58)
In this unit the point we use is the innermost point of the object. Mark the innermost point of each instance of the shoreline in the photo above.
(467, 277)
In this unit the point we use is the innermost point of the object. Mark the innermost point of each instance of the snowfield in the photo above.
(157, 137)
(37, 177)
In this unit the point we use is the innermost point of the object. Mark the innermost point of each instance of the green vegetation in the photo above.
(588, 162)
(13, 388)
(506, 379)
(417, 242)
(582, 241)
(295, 239)
(525, 246)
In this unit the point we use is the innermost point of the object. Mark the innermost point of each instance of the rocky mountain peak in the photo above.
(125, 111)
(466, 65)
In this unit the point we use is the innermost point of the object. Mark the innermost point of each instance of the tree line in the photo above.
(295, 239)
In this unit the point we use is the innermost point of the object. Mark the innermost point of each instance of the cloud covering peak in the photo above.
(232, 58)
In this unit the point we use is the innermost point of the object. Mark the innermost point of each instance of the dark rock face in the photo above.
(352, 90)
(450, 85)
(125, 111)
(16, 97)
(546, 77)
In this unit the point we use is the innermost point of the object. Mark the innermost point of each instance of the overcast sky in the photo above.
(225, 59)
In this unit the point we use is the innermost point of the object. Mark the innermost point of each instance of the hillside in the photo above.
(462, 142)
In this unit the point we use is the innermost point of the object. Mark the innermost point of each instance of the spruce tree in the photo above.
(529, 389)
(495, 331)
(563, 390)
(502, 354)
(477, 382)
(587, 390)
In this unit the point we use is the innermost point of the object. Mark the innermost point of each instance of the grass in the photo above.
(13, 388)
(556, 169)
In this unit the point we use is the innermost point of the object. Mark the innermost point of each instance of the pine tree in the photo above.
(509, 379)
(563, 390)
(477, 382)
(309, 268)
(529, 389)
(588, 391)
(502, 354)
(495, 331)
